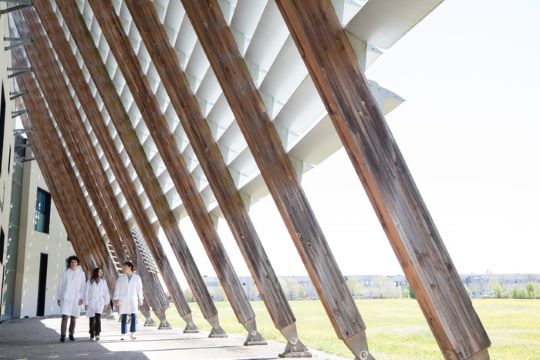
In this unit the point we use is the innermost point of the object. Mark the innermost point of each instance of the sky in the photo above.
(469, 130)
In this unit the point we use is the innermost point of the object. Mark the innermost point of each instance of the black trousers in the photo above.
(95, 325)
(64, 325)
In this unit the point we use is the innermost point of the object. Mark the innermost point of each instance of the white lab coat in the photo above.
(128, 293)
(96, 297)
(71, 290)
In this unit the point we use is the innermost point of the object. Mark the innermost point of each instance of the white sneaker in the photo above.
(133, 337)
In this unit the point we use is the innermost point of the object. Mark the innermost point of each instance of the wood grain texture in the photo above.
(378, 162)
(209, 156)
(172, 157)
(130, 140)
(276, 169)
(153, 290)
(60, 178)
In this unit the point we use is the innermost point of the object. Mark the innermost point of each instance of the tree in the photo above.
(355, 287)
(531, 290)
(496, 287)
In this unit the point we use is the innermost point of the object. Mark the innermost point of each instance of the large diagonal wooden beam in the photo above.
(84, 155)
(172, 157)
(130, 140)
(89, 105)
(378, 162)
(116, 227)
(61, 180)
(200, 137)
(277, 171)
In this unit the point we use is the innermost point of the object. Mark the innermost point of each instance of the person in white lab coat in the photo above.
(96, 300)
(128, 296)
(70, 295)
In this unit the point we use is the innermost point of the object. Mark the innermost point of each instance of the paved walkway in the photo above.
(38, 339)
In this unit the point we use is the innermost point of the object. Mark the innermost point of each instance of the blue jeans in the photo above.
(132, 327)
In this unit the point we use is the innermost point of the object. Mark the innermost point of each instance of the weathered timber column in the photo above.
(84, 155)
(200, 137)
(277, 171)
(172, 157)
(61, 179)
(119, 117)
(378, 162)
(75, 230)
(153, 289)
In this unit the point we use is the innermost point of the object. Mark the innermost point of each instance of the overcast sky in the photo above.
(469, 131)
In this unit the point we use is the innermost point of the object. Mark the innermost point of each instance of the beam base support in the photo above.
(150, 322)
(190, 328)
(217, 330)
(482, 355)
(164, 325)
(358, 345)
(254, 337)
(295, 348)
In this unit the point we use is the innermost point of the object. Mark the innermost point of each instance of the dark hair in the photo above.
(69, 259)
(130, 264)
(95, 275)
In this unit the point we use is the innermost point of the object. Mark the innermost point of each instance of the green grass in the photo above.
(396, 328)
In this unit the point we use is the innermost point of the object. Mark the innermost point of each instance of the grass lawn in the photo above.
(396, 328)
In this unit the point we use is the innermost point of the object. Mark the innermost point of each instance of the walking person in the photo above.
(96, 301)
(128, 296)
(70, 296)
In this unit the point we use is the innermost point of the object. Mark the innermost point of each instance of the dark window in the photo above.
(43, 211)
(1, 246)
(9, 162)
(2, 124)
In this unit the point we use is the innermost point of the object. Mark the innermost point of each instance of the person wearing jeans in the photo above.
(128, 296)
(96, 301)
(70, 296)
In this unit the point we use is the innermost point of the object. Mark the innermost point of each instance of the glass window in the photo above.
(43, 211)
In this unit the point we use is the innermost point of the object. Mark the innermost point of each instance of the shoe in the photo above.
(122, 338)
(62, 339)
(97, 337)
(133, 337)
(71, 338)
(91, 338)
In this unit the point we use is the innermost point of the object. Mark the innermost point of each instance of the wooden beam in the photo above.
(181, 177)
(172, 157)
(89, 105)
(61, 179)
(152, 188)
(276, 169)
(378, 162)
(205, 147)
(52, 83)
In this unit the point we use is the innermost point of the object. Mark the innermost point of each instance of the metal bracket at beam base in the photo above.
(190, 328)
(164, 325)
(217, 331)
(149, 322)
(254, 337)
(358, 345)
(295, 348)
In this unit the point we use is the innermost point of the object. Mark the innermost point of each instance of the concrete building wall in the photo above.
(7, 150)
(32, 244)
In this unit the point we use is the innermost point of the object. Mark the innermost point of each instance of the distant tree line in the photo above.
(377, 287)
